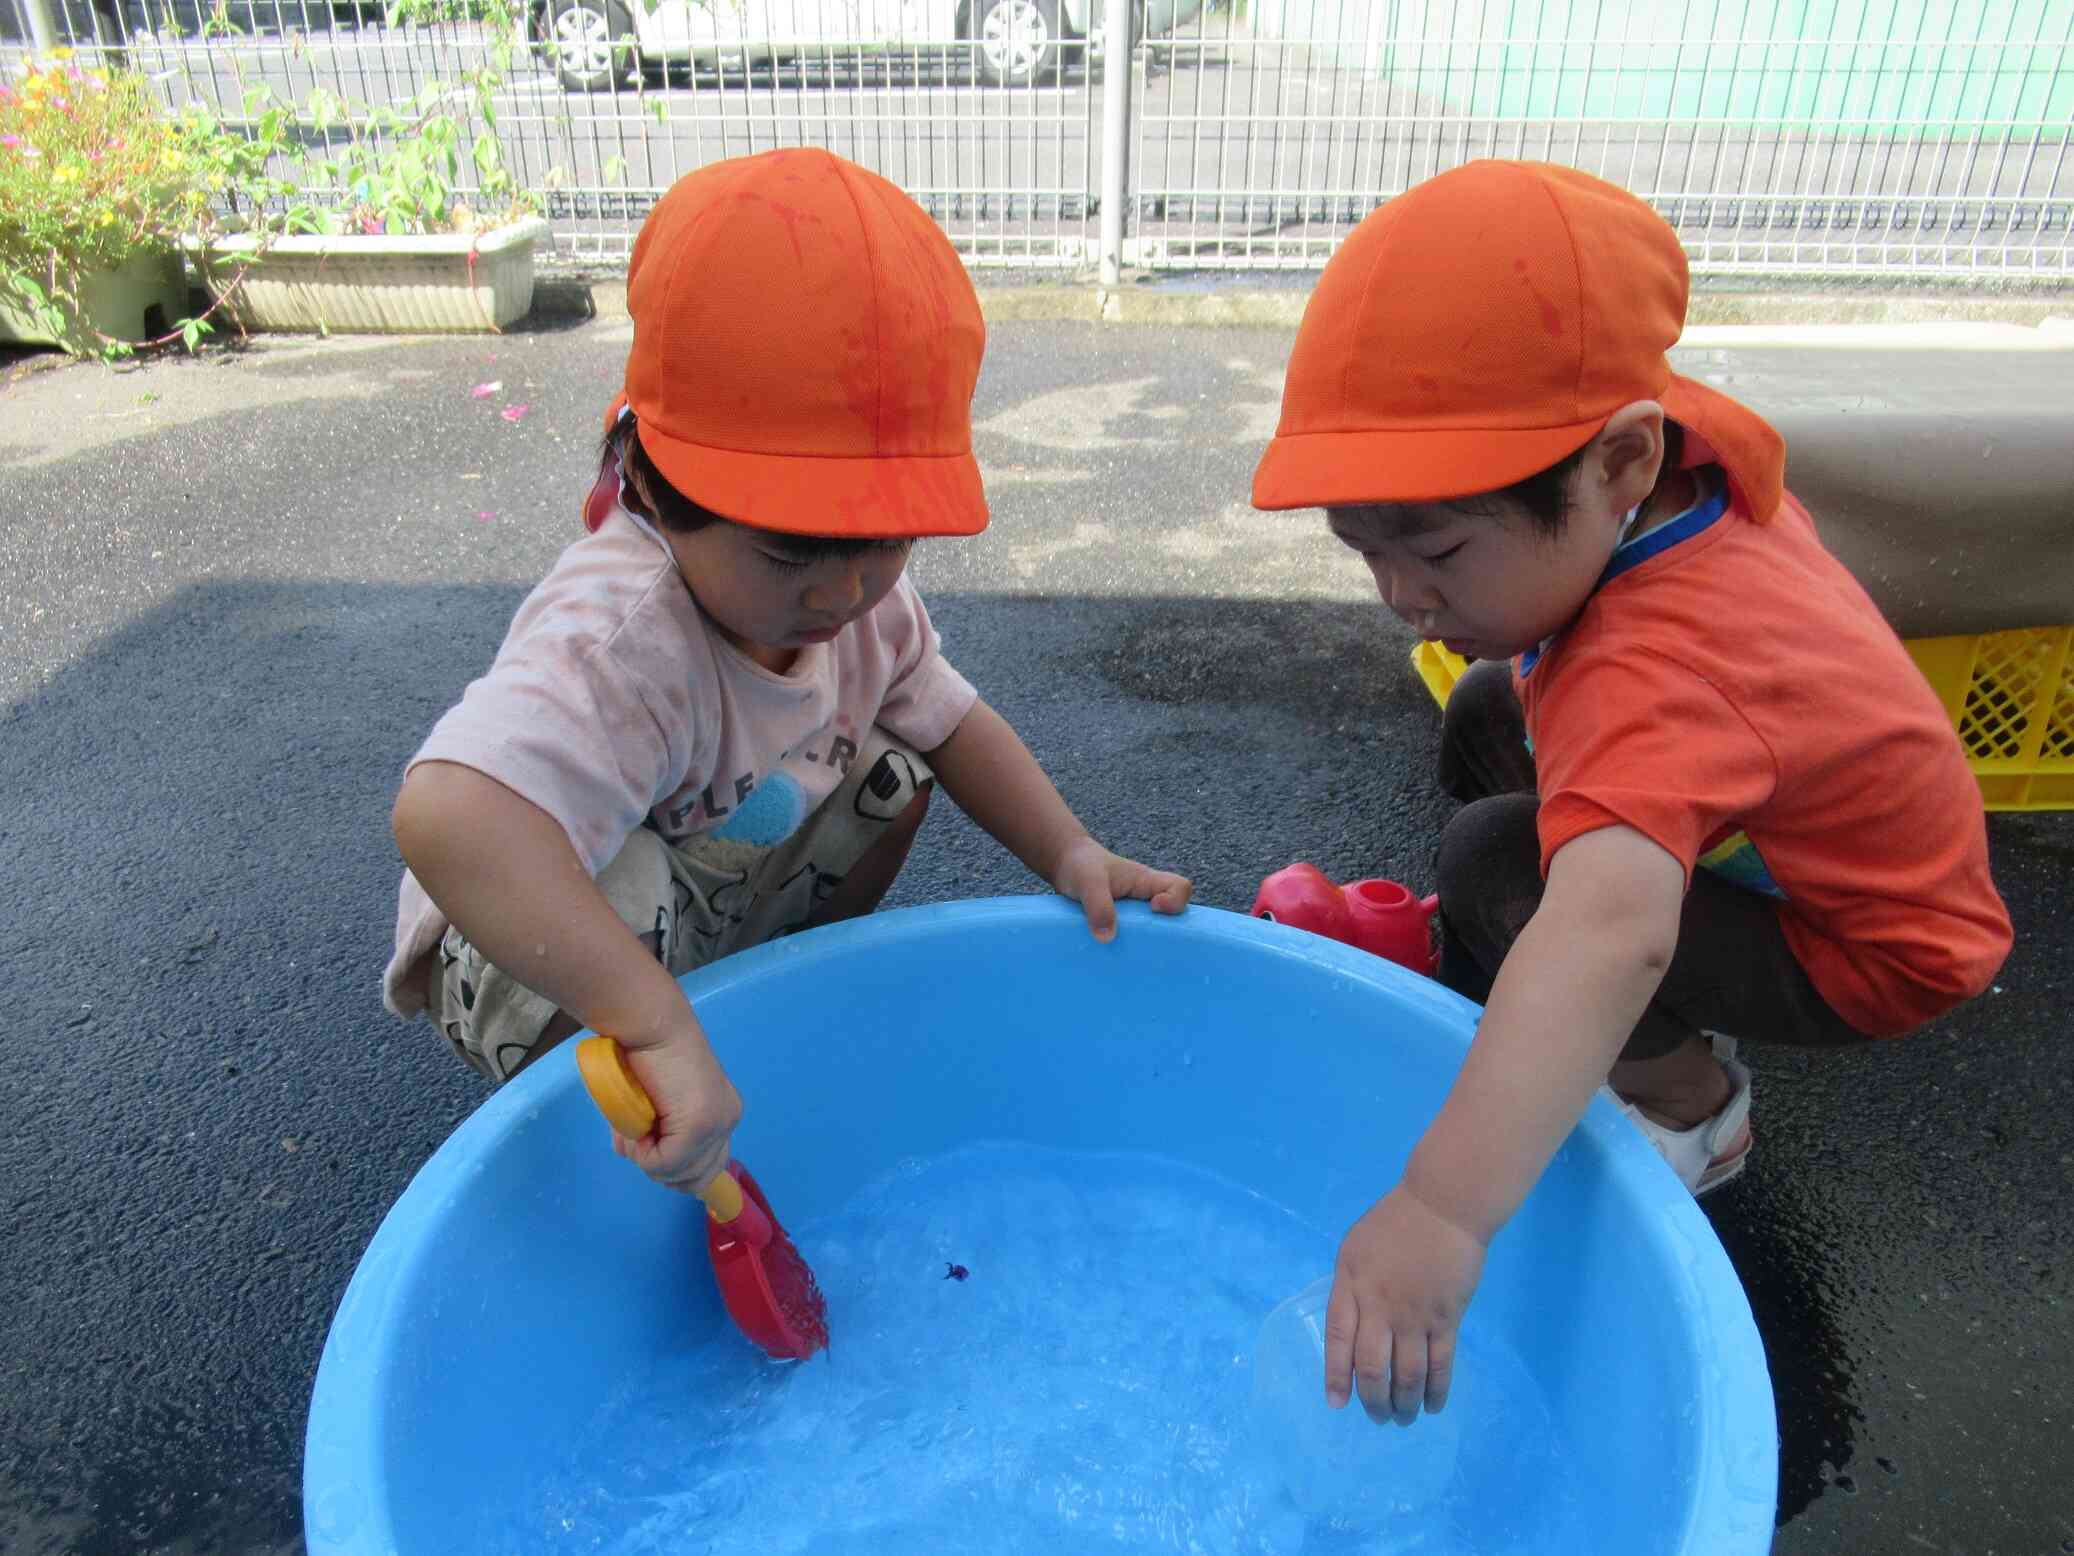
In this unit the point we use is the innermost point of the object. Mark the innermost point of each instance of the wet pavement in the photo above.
(235, 594)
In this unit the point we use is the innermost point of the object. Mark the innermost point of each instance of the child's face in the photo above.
(768, 602)
(1481, 576)
(1485, 582)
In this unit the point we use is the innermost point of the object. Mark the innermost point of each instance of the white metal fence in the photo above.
(1779, 136)
(1900, 138)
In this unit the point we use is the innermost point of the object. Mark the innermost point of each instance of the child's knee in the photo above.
(1483, 747)
(910, 820)
(490, 1020)
(1485, 688)
(637, 882)
(1488, 869)
(1481, 699)
(890, 801)
(495, 1024)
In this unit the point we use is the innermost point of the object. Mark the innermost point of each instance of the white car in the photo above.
(597, 44)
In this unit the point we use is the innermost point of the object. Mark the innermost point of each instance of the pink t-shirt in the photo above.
(614, 700)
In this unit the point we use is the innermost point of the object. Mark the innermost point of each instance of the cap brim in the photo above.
(878, 497)
(1343, 469)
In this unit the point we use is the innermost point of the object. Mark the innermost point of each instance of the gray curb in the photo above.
(569, 295)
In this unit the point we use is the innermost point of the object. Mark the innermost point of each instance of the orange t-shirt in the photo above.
(1731, 693)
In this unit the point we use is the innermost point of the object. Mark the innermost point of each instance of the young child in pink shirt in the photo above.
(720, 717)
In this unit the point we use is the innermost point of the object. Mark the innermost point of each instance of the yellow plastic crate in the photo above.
(2010, 695)
(1438, 668)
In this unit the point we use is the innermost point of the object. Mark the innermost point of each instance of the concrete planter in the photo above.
(353, 284)
(142, 299)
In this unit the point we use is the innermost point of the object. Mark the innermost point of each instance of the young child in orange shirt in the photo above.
(1710, 797)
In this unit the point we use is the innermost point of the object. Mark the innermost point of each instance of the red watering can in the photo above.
(1378, 916)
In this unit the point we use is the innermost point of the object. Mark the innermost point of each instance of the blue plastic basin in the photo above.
(1312, 1070)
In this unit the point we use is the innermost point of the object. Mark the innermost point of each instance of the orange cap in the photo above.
(1483, 326)
(806, 344)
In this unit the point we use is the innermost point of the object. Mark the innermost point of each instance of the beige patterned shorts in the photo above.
(700, 901)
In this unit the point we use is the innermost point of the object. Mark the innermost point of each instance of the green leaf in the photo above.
(324, 106)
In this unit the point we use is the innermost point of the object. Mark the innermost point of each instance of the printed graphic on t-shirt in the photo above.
(771, 813)
(1737, 861)
(766, 809)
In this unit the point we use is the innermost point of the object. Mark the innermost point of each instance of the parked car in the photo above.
(116, 24)
(597, 44)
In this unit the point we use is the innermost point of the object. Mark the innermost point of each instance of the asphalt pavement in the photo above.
(235, 592)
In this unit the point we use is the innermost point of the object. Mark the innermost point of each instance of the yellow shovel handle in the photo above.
(723, 1197)
(627, 1108)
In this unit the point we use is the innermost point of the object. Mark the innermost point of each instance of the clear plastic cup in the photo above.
(1338, 1464)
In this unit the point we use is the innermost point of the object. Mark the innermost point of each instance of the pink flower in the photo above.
(10, 140)
(484, 391)
(486, 515)
(515, 412)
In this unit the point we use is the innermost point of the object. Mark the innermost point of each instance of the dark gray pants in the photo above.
(1733, 971)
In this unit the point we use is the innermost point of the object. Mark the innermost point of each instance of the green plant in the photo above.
(93, 174)
(400, 170)
(90, 176)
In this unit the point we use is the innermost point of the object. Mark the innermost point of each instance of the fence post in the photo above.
(1116, 139)
(43, 32)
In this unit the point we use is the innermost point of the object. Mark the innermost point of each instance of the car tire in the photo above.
(1018, 40)
(591, 43)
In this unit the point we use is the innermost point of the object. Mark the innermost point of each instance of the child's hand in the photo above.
(1095, 878)
(696, 1111)
(1403, 1280)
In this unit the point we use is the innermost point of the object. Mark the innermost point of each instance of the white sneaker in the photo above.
(1715, 1150)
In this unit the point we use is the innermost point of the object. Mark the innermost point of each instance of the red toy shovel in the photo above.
(770, 1293)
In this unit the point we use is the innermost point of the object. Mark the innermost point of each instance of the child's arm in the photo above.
(988, 770)
(504, 872)
(1565, 1002)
